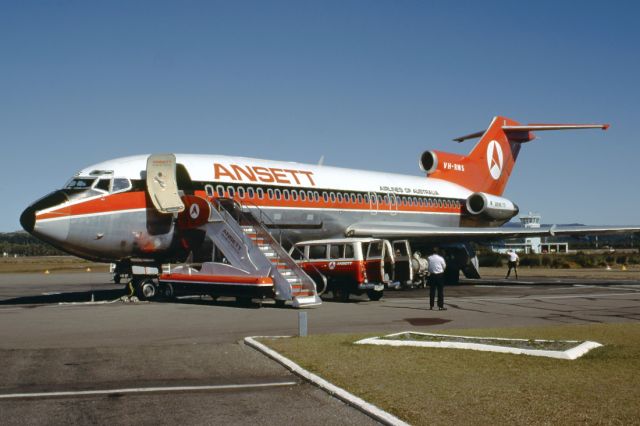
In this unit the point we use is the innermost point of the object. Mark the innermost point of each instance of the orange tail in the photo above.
(488, 166)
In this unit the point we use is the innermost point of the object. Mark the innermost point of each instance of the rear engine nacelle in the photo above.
(491, 206)
(430, 161)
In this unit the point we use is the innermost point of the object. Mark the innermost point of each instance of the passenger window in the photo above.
(339, 197)
(220, 190)
(353, 198)
(103, 185)
(122, 184)
(260, 193)
(366, 198)
(318, 252)
(241, 192)
(335, 251)
(333, 197)
(348, 251)
(270, 193)
(207, 188)
(325, 197)
(277, 194)
(303, 196)
(231, 191)
(360, 198)
(294, 195)
(250, 192)
(316, 195)
(386, 199)
(285, 194)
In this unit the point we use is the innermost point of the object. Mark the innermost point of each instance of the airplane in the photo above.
(140, 210)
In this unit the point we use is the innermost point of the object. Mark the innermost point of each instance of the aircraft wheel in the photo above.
(280, 303)
(147, 290)
(375, 295)
(167, 291)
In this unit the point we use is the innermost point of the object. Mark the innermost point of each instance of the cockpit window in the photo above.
(80, 183)
(103, 184)
(120, 184)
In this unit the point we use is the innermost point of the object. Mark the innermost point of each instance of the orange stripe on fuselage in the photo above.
(107, 204)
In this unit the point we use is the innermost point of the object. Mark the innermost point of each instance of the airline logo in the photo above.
(494, 159)
(194, 211)
(245, 173)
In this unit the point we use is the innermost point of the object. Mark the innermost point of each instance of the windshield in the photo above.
(80, 183)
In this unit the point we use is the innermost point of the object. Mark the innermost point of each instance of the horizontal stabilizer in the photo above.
(535, 127)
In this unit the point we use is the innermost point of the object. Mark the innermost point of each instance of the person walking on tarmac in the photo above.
(512, 263)
(436, 268)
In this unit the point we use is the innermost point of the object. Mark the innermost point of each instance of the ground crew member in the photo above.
(512, 263)
(437, 265)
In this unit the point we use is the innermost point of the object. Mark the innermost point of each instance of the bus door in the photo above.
(380, 262)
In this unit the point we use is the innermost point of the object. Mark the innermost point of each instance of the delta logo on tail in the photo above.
(494, 157)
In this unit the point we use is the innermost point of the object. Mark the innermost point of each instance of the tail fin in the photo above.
(488, 166)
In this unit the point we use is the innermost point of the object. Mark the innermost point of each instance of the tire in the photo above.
(374, 295)
(280, 303)
(341, 294)
(167, 291)
(147, 290)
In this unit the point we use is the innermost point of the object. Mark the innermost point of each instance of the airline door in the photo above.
(380, 262)
(162, 185)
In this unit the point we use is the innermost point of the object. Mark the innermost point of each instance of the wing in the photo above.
(416, 230)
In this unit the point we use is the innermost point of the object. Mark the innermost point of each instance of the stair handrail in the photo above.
(244, 213)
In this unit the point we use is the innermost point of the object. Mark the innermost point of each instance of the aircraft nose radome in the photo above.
(28, 219)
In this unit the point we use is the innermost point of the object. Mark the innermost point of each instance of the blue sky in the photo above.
(367, 84)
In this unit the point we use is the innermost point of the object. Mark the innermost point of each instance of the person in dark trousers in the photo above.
(436, 268)
(512, 263)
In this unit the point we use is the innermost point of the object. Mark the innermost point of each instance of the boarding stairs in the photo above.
(248, 245)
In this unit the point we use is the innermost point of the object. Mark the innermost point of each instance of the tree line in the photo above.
(23, 244)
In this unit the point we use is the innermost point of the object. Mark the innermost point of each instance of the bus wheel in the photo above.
(375, 295)
(341, 294)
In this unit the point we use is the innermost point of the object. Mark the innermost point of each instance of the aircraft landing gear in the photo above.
(146, 289)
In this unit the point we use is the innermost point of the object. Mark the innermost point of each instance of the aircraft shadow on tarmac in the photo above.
(69, 297)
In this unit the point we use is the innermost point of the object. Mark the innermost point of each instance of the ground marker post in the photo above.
(302, 323)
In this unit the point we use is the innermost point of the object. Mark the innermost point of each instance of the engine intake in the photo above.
(491, 206)
(429, 162)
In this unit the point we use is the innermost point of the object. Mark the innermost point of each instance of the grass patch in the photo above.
(448, 386)
(51, 263)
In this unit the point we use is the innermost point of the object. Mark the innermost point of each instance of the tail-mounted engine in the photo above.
(491, 207)
(430, 161)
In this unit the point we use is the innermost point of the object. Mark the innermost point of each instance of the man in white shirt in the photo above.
(513, 263)
(436, 268)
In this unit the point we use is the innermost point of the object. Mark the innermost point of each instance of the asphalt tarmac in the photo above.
(184, 362)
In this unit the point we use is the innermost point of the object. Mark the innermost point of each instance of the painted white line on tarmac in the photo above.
(534, 297)
(145, 390)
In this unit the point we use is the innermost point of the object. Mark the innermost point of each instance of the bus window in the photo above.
(335, 251)
(318, 252)
(348, 251)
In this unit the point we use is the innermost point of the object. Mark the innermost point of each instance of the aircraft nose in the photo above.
(28, 216)
(28, 219)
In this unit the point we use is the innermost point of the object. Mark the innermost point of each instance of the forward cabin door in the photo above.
(162, 184)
